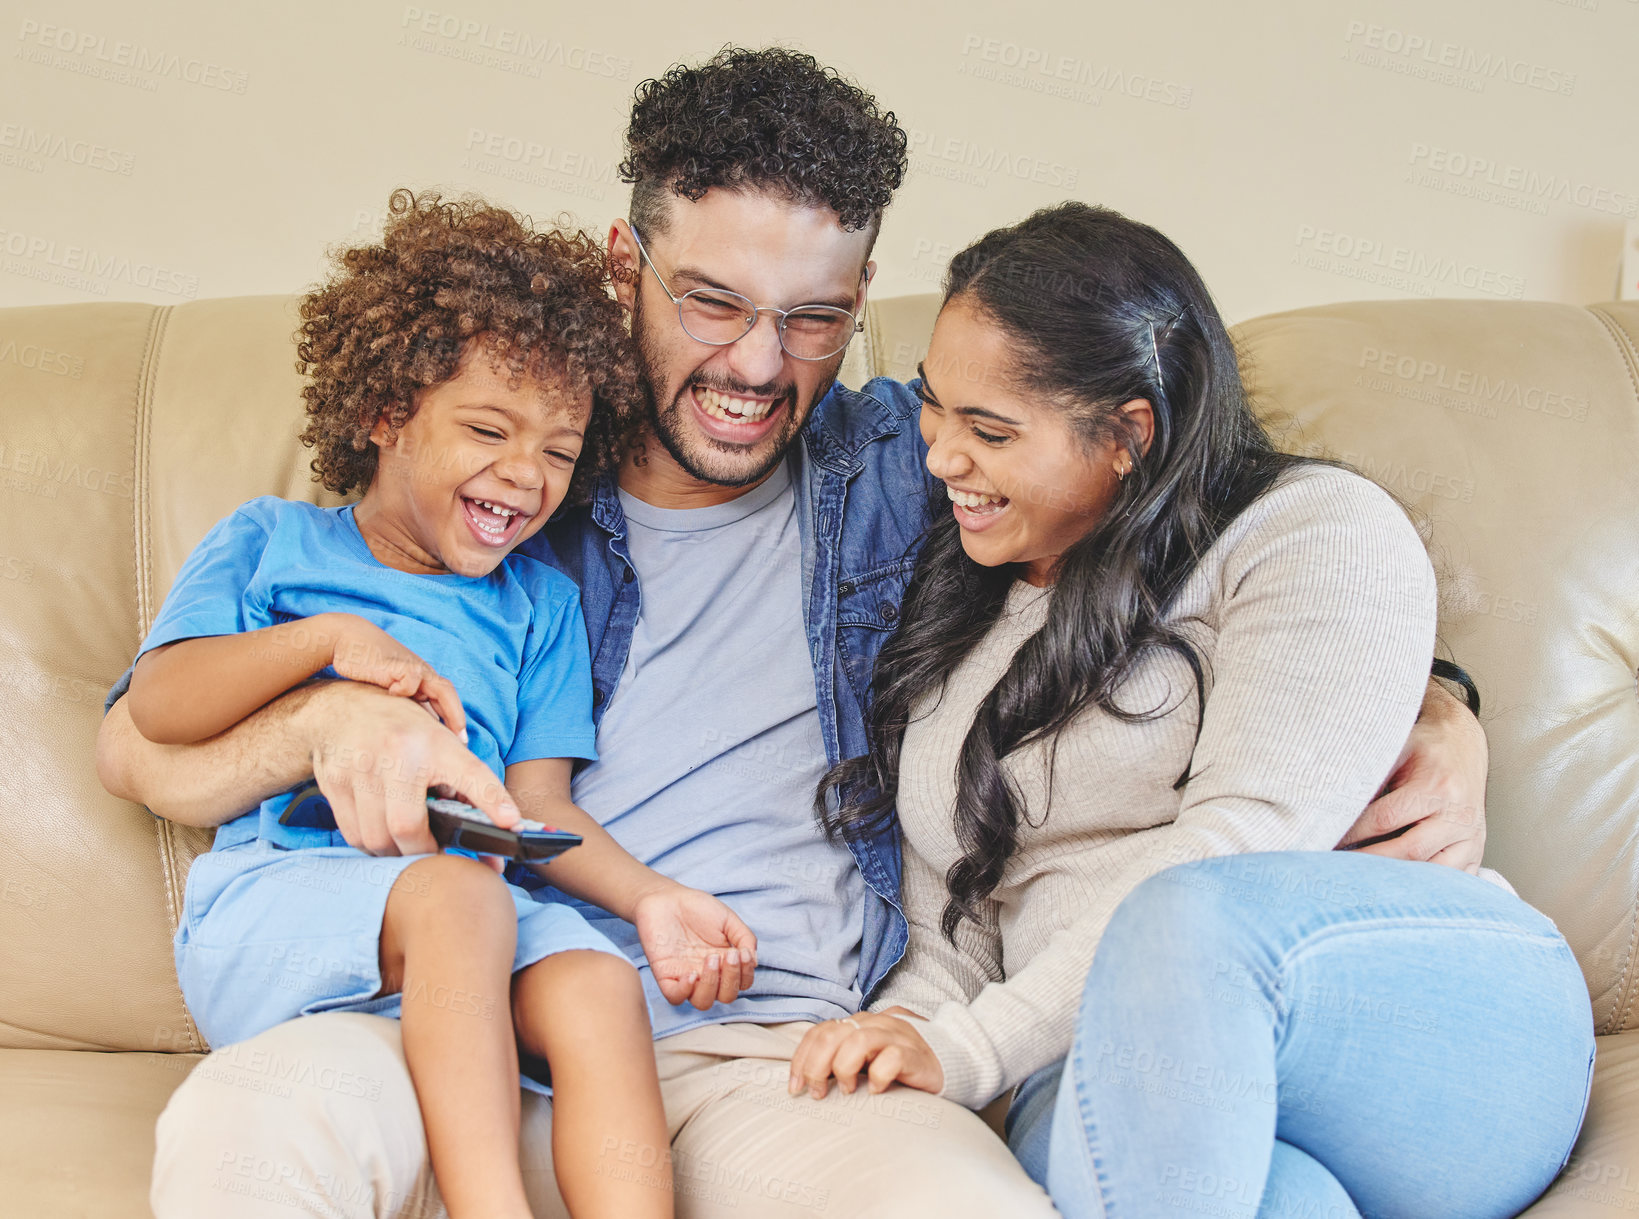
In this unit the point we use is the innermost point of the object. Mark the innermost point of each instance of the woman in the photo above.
(1146, 651)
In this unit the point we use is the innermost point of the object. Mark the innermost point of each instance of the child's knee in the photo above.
(442, 885)
(439, 892)
(579, 984)
(590, 972)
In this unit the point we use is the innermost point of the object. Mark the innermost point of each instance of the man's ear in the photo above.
(1140, 417)
(624, 262)
(864, 285)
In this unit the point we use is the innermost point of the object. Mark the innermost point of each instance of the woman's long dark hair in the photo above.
(1099, 310)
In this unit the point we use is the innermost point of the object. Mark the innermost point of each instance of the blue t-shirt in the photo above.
(513, 642)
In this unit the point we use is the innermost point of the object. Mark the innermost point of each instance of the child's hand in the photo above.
(362, 651)
(699, 950)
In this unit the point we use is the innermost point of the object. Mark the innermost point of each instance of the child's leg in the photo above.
(447, 943)
(584, 1013)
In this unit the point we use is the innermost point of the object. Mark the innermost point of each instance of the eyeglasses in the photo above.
(718, 317)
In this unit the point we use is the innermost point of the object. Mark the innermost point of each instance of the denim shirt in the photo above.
(863, 495)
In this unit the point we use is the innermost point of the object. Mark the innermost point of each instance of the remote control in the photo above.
(453, 824)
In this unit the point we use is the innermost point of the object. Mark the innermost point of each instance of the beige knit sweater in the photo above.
(1314, 614)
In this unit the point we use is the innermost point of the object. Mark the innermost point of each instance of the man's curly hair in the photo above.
(773, 120)
(399, 316)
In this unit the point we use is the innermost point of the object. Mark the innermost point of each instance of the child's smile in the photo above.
(495, 524)
(478, 468)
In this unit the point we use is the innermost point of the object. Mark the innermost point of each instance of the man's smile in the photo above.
(738, 419)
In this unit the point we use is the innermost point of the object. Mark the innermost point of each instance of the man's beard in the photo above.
(704, 457)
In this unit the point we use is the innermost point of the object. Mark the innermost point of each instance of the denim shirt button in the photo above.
(889, 612)
(627, 576)
(597, 697)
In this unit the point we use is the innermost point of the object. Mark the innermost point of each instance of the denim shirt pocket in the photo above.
(868, 607)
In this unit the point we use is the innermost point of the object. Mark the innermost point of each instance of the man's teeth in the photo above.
(732, 409)
(969, 499)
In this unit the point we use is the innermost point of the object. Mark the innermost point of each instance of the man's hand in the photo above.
(375, 756)
(1433, 805)
(698, 949)
(882, 1044)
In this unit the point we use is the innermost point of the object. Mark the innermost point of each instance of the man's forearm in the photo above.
(1441, 706)
(210, 782)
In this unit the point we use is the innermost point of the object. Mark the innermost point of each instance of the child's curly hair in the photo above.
(398, 317)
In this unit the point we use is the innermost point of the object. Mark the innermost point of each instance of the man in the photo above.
(737, 585)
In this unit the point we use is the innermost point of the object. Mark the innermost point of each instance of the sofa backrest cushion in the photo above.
(129, 430)
(1510, 429)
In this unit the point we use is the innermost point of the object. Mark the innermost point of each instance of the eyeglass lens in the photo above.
(812, 332)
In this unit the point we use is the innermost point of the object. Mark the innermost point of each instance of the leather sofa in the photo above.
(1510, 429)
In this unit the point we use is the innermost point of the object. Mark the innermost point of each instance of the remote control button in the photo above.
(456, 808)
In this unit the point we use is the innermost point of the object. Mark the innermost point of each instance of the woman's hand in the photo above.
(698, 949)
(889, 1046)
(362, 651)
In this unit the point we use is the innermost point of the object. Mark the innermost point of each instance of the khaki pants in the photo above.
(318, 1117)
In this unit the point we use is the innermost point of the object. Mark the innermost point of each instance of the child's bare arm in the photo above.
(190, 690)
(600, 870)
(683, 930)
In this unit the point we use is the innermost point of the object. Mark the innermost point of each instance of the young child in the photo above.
(468, 373)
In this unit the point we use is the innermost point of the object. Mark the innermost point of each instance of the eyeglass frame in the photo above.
(756, 310)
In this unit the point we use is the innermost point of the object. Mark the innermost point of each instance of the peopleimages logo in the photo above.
(1039, 70)
(40, 359)
(1487, 391)
(1401, 476)
(1489, 181)
(1397, 266)
(967, 160)
(78, 266)
(1445, 62)
(52, 146)
(539, 164)
(58, 46)
(504, 47)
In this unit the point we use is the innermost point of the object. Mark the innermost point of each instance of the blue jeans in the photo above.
(1316, 1034)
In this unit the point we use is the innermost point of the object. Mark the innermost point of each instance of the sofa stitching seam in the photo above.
(141, 501)
(1618, 1018)
(1624, 343)
(1628, 992)
(164, 832)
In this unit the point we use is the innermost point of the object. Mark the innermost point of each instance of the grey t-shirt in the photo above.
(710, 751)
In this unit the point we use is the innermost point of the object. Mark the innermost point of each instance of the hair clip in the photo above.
(1155, 349)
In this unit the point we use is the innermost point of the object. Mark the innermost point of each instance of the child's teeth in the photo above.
(496, 527)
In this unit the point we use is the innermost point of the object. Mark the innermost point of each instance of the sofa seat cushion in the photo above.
(1603, 1175)
(77, 1129)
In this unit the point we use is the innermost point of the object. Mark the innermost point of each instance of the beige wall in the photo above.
(1301, 152)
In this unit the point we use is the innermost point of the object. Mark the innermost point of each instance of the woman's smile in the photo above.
(976, 510)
